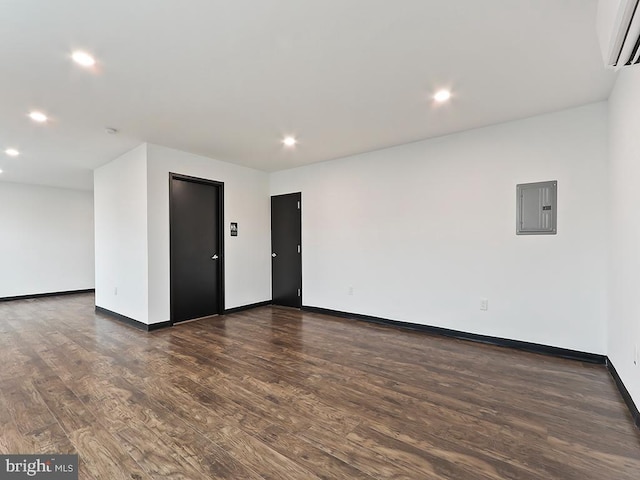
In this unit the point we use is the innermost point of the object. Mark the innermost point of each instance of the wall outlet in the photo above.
(115, 291)
(350, 290)
(484, 304)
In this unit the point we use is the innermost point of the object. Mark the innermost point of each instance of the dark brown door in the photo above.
(286, 248)
(197, 288)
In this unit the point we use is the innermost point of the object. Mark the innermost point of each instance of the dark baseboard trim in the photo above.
(501, 342)
(626, 396)
(41, 295)
(158, 326)
(130, 321)
(247, 307)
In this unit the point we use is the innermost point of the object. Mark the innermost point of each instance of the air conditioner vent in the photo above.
(630, 41)
(619, 30)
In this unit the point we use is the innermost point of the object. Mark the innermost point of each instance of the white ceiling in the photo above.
(228, 79)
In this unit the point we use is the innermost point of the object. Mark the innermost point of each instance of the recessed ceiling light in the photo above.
(442, 96)
(289, 141)
(38, 117)
(0, 171)
(12, 152)
(83, 58)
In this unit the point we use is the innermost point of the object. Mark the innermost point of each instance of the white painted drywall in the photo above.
(46, 240)
(423, 231)
(246, 201)
(624, 159)
(120, 197)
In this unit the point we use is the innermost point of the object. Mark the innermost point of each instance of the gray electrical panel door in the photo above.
(536, 208)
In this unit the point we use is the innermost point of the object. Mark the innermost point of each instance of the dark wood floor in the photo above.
(279, 394)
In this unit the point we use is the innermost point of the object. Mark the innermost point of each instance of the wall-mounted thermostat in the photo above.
(537, 208)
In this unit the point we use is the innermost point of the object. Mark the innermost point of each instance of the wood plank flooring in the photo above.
(274, 393)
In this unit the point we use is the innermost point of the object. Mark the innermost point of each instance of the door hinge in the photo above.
(298, 205)
(298, 248)
(298, 292)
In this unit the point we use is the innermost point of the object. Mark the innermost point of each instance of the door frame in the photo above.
(221, 288)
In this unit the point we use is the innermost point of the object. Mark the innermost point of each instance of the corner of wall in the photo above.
(121, 239)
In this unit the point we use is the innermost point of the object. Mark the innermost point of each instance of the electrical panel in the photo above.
(537, 208)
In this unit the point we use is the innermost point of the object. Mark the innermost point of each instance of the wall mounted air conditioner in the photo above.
(618, 25)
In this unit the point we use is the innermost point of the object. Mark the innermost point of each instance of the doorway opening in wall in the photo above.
(196, 216)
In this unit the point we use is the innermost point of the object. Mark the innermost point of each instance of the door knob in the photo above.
(273, 255)
(215, 257)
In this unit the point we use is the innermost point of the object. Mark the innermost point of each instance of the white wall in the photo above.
(624, 154)
(120, 193)
(423, 231)
(247, 201)
(46, 240)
